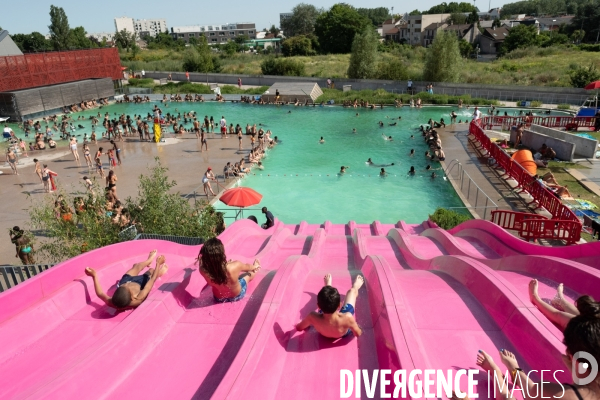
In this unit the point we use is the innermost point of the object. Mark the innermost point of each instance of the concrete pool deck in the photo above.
(182, 156)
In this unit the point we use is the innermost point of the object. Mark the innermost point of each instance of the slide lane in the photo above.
(69, 320)
(499, 240)
(275, 357)
(178, 322)
(523, 325)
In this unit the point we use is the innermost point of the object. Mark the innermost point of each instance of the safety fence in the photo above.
(533, 226)
(479, 201)
(12, 275)
(562, 216)
(567, 122)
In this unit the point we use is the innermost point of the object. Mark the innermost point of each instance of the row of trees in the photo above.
(62, 36)
(448, 8)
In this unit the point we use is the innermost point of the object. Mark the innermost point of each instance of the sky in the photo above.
(98, 16)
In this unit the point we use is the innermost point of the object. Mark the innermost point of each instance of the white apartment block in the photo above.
(215, 34)
(124, 23)
(141, 27)
(152, 27)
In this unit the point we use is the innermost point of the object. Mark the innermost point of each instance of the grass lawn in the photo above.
(534, 66)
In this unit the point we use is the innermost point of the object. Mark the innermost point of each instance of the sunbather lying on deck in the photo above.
(334, 320)
(133, 288)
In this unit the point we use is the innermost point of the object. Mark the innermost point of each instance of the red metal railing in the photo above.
(563, 217)
(532, 226)
(552, 121)
(41, 69)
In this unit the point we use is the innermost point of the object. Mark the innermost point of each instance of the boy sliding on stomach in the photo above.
(334, 320)
(133, 288)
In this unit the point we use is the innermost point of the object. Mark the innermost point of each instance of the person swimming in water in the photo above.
(369, 162)
(343, 169)
(380, 124)
(322, 140)
(383, 173)
(433, 175)
(412, 170)
(353, 130)
(412, 152)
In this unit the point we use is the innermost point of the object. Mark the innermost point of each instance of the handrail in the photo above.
(12, 275)
(542, 197)
(462, 173)
(554, 121)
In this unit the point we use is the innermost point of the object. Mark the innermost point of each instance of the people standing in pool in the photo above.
(382, 174)
(23, 245)
(412, 171)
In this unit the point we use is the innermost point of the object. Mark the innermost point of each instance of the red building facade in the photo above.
(42, 69)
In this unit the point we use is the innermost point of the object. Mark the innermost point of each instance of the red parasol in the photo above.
(593, 86)
(124, 68)
(241, 197)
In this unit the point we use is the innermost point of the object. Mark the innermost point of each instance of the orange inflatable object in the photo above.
(525, 159)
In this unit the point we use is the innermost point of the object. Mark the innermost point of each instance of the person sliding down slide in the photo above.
(334, 320)
(133, 288)
(229, 280)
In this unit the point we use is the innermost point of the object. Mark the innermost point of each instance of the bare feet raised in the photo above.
(485, 361)
(152, 256)
(358, 282)
(559, 299)
(533, 291)
(328, 279)
(160, 261)
(163, 270)
(508, 359)
(256, 266)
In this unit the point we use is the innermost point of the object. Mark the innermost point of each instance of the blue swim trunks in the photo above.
(139, 279)
(346, 308)
(240, 296)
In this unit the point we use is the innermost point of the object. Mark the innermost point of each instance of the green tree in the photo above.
(60, 32)
(376, 15)
(577, 35)
(199, 58)
(78, 38)
(157, 209)
(364, 55)
(32, 42)
(588, 20)
(297, 46)
(473, 18)
(442, 60)
(496, 23)
(457, 18)
(302, 21)
(519, 36)
(452, 7)
(581, 76)
(274, 30)
(337, 28)
(466, 48)
(124, 39)
(230, 48)
(241, 39)
(415, 12)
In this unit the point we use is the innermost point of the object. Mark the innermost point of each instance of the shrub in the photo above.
(448, 219)
(590, 47)
(392, 70)
(297, 46)
(581, 76)
(563, 106)
(146, 82)
(282, 67)
(157, 209)
(536, 103)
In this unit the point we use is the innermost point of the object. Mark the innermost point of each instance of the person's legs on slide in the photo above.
(138, 267)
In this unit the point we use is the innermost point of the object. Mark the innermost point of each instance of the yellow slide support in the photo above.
(157, 132)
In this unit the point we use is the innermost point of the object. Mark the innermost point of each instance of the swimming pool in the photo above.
(300, 180)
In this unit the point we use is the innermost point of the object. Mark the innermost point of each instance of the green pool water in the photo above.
(300, 180)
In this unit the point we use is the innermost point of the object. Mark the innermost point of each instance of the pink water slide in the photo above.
(432, 299)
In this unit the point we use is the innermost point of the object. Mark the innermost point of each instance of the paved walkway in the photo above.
(182, 156)
(457, 147)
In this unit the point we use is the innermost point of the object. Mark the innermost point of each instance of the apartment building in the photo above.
(215, 34)
(142, 27)
(413, 26)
